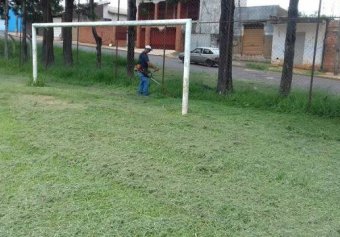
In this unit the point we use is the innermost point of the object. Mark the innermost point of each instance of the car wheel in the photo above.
(209, 63)
(182, 59)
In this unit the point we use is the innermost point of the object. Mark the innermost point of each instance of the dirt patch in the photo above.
(45, 101)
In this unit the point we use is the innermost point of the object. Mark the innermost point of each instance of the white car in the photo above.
(203, 55)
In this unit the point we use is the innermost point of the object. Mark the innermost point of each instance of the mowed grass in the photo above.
(97, 160)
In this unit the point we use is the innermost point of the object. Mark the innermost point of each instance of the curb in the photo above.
(137, 50)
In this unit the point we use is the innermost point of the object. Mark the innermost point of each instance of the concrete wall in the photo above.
(200, 40)
(245, 15)
(210, 12)
(309, 29)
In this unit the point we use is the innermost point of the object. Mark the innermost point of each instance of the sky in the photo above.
(329, 7)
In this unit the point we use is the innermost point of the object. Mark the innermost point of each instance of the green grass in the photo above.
(277, 68)
(258, 66)
(85, 156)
(97, 160)
(248, 94)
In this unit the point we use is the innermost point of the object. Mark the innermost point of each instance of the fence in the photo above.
(258, 38)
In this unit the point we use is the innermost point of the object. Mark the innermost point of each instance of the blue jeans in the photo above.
(143, 84)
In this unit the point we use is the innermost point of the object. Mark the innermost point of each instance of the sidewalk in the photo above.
(156, 52)
(296, 71)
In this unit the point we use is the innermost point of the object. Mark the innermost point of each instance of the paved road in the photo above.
(241, 73)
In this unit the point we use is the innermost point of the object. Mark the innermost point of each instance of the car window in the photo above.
(198, 50)
(207, 51)
(216, 51)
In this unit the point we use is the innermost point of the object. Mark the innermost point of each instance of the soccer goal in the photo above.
(187, 45)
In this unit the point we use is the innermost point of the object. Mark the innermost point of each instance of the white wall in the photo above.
(200, 40)
(80, 1)
(57, 30)
(113, 3)
(110, 12)
(240, 3)
(107, 14)
(279, 38)
(2, 25)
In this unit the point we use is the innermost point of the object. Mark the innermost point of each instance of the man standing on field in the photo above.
(144, 64)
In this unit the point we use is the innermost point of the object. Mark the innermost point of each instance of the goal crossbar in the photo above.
(187, 44)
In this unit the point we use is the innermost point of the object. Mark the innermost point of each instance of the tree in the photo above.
(20, 8)
(288, 64)
(32, 11)
(24, 49)
(48, 35)
(67, 33)
(132, 11)
(98, 39)
(226, 31)
(6, 29)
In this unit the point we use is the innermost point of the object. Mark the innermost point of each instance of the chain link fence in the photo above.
(258, 37)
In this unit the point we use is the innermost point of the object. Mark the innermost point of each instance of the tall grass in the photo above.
(246, 94)
(263, 97)
(258, 66)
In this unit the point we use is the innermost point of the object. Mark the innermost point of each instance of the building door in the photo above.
(142, 37)
(253, 40)
(159, 39)
(299, 48)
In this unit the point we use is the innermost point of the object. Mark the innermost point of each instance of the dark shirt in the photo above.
(143, 61)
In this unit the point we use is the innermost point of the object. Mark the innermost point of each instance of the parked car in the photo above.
(203, 55)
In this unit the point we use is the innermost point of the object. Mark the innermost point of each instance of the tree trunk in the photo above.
(67, 33)
(6, 29)
(225, 82)
(48, 35)
(98, 47)
(288, 64)
(132, 11)
(97, 38)
(24, 50)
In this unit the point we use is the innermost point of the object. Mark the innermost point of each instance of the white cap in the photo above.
(148, 47)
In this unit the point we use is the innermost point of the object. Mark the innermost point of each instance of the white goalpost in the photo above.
(187, 45)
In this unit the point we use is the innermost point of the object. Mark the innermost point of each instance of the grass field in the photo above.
(97, 160)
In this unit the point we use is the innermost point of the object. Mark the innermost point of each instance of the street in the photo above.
(239, 73)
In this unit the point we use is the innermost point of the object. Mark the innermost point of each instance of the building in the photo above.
(14, 22)
(331, 52)
(304, 44)
(158, 37)
(252, 29)
(328, 43)
(173, 37)
(104, 11)
(109, 35)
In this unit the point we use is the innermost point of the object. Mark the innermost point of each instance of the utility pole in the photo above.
(116, 68)
(78, 15)
(164, 46)
(314, 57)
